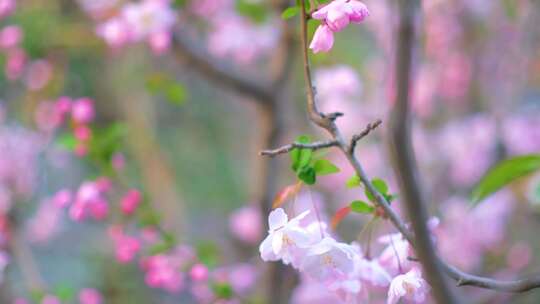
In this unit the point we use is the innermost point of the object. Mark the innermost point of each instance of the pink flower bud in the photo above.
(323, 40)
(131, 201)
(199, 273)
(82, 132)
(99, 210)
(82, 110)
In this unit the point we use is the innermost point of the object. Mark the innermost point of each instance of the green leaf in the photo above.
(176, 93)
(290, 12)
(353, 181)
(361, 207)
(257, 12)
(208, 253)
(301, 157)
(308, 175)
(67, 141)
(223, 290)
(380, 185)
(504, 173)
(325, 167)
(64, 292)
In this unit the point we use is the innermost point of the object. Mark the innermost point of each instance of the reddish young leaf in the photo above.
(339, 216)
(285, 194)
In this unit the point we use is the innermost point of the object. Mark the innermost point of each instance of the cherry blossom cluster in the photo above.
(35, 74)
(342, 268)
(335, 16)
(122, 23)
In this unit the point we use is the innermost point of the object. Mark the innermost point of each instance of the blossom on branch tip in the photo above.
(335, 16)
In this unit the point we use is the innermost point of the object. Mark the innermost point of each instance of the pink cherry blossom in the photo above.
(126, 247)
(62, 198)
(90, 296)
(410, 286)
(130, 201)
(10, 36)
(148, 17)
(339, 13)
(328, 260)
(82, 110)
(285, 238)
(323, 40)
(162, 271)
(199, 273)
(115, 32)
(82, 132)
(246, 224)
(7, 7)
(160, 42)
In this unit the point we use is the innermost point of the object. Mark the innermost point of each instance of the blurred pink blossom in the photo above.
(45, 223)
(521, 133)
(163, 271)
(246, 224)
(90, 296)
(148, 17)
(199, 273)
(126, 247)
(82, 110)
(16, 62)
(115, 32)
(38, 74)
(130, 201)
(7, 7)
(62, 198)
(10, 36)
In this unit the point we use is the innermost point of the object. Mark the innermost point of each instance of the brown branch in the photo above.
(462, 278)
(357, 137)
(311, 146)
(403, 158)
(218, 72)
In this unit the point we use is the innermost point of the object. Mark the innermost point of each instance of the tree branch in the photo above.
(403, 157)
(218, 72)
(357, 137)
(311, 146)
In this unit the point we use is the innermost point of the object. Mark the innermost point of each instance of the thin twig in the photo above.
(311, 146)
(357, 137)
